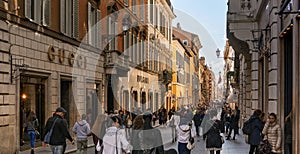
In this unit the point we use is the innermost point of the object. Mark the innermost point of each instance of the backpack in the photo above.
(247, 129)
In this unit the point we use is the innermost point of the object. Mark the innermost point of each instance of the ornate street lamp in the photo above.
(218, 55)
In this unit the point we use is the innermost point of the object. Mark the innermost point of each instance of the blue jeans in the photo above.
(57, 149)
(32, 135)
(182, 148)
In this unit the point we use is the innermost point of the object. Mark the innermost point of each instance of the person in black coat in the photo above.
(197, 121)
(214, 139)
(255, 136)
(149, 139)
(60, 131)
(233, 125)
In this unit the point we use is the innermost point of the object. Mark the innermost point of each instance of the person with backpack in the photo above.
(212, 130)
(82, 130)
(185, 131)
(254, 132)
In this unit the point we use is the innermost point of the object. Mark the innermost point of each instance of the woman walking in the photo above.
(272, 132)
(32, 124)
(214, 140)
(185, 130)
(114, 141)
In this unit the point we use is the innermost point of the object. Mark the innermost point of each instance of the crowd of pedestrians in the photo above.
(136, 132)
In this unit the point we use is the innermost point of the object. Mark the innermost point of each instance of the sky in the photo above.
(207, 18)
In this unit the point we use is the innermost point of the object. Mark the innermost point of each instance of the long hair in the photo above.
(138, 122)
(147, 121)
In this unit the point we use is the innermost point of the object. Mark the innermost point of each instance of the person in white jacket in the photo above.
(114, 140)
(173, 122)
(185, 130)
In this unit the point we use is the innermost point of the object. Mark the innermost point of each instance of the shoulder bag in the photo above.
(191, 142)
(49, 134)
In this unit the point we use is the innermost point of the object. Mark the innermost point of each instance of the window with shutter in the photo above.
(94, 26)
(69, 14)
(130, 40)
(63, 16)
(75, 18)
(115, 34)
(142, 10)
(133, 6)
(38, 11)
(46, 12)
(98, 33)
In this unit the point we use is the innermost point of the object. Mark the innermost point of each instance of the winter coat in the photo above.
(198, 119)
(60, 130)
(150, 140)
(213, 139)
(183, 133)
(272, 132)
(257, 126)
(110, 141)
(81, 129)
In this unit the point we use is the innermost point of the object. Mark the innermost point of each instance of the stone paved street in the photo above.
(229, 147)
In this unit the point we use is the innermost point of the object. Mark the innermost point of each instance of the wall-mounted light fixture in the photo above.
(261, 41)
(24, 96)
(15, 65)
(218, 52)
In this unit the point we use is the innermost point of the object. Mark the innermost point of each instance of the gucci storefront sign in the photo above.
(61, 54)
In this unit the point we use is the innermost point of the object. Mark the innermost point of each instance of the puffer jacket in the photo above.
(272, 132)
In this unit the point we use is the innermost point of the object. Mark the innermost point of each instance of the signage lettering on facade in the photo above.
(80, 61)
(142, 79)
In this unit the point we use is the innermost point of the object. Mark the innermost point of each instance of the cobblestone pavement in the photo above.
(229, 147)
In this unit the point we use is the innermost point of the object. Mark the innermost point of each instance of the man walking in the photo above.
(82, 129)
(60, 131)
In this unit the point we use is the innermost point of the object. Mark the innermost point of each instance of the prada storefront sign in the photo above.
(142, 79)
(70, 58)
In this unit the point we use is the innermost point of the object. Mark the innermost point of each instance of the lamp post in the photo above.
(218, 55)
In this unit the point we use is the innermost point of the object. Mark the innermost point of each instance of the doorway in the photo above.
(67, 101)
(32, 99)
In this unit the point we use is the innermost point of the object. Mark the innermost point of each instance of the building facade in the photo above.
(265, 35)
(189, 63)
(49, 58)
(87, 56)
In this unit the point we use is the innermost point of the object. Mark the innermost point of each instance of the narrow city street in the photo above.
(229, 147)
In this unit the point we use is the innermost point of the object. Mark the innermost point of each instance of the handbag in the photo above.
(49, 134)
(191, 142)
(265, 147)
